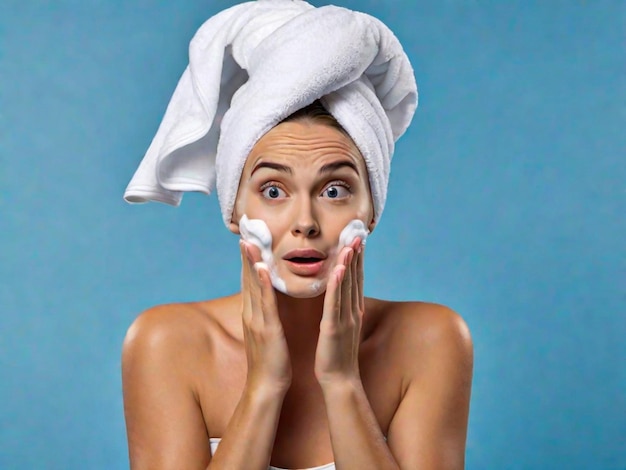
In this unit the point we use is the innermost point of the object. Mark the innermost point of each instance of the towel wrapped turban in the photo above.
(256, 63)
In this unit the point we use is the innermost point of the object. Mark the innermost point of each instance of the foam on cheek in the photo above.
(317, 286)
(355, 228)
(256, 231)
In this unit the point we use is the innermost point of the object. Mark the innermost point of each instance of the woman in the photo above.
(299, 369)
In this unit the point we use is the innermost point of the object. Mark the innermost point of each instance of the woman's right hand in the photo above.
(269, 365)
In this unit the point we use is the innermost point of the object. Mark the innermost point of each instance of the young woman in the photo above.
(299, 380)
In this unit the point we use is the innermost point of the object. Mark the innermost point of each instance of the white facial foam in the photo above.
(256, 231)
(355, 228)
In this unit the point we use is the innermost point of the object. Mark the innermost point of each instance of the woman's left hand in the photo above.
(337, 354)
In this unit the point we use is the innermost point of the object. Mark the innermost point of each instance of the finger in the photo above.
(245, 280)
(254, 256)
(242, 253)
(354, 291)
(356, 243)
(253, 285)
(269, 311)
(245, 258)
(360, 274)
(346, 288)
(357, 285)
(332, 298)
(357, 275)
(255, 253)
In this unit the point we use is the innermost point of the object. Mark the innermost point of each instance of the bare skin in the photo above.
(305, 379)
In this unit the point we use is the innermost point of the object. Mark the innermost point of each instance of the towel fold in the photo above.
(256, 63)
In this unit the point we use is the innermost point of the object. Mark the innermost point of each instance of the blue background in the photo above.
(507, 202)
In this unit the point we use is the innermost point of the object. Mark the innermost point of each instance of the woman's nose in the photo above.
(305, 222)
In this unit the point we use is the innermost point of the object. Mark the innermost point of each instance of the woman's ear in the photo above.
(371, 225)
(234, 227)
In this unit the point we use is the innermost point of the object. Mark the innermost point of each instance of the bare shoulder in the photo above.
(163, 351)
(424, 320)
(430, 348)
(178, 327)
(423, 330)
(166, 328)
(432, 322)
(175, 336)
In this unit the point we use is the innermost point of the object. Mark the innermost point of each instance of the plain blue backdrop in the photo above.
(507, 203)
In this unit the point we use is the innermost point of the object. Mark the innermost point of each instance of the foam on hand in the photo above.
(257, 232)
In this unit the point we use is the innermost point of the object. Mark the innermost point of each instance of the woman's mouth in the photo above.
(305, 262)
(305, 266)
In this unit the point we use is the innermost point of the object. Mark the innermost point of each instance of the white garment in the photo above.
(254, 64)
(329, 466)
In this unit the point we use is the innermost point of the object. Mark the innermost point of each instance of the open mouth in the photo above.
(305, 261)
(305, 266)
(300, 260)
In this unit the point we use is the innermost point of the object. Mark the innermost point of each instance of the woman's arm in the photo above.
(356, 438)
(432, 352)
(249, 437)
(164, 419)
(164, 422)
(429, 428)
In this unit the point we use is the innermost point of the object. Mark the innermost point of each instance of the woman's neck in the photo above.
(301, 321)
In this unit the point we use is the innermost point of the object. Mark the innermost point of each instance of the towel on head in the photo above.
(256, 63)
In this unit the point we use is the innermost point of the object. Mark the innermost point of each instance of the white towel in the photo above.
(255, 64)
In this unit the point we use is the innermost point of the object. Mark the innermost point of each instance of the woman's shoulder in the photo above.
(416, 326)
(425, 314)
(180, 327)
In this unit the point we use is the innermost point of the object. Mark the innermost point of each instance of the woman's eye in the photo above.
(336, 192)
(273, 192)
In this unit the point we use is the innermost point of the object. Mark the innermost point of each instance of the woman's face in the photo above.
(306, 181)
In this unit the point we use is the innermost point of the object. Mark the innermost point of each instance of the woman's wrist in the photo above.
(340, 386)
(265, 392)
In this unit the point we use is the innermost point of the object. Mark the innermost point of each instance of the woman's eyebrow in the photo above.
(330, 167)
(272, 166)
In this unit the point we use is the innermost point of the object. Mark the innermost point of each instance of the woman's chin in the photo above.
(305, 288)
